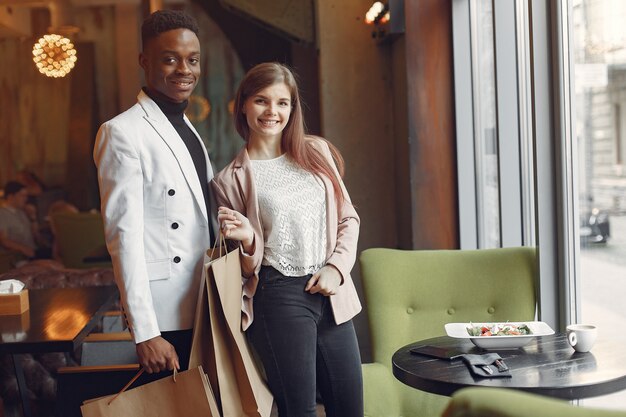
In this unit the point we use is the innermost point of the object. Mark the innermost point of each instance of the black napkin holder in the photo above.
(479, 365)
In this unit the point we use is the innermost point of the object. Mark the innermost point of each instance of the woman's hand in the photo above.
(235, 226)
(325, 281)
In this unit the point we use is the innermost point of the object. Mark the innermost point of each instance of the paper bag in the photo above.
(202, 352)
(188, 395)
(219, 342)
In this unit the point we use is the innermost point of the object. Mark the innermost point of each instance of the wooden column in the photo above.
(432, 150)
(81, 182)
(127, 48)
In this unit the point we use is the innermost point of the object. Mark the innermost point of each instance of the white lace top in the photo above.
(292, 209)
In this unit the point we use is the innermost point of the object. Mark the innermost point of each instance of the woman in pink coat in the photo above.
(283, 199)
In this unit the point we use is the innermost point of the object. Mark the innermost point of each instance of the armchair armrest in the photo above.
(499, 402)
(380, 396)
(109, 337)
(68, 370)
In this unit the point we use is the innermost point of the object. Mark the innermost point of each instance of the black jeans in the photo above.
(303, 350)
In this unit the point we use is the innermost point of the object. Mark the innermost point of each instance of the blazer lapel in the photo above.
(172, 139)
(209, 167)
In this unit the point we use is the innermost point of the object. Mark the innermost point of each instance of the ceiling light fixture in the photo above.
(54, 55)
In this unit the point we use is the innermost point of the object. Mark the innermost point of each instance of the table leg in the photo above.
(21, 385)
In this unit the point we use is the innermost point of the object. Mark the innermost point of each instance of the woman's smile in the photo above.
(268, 111)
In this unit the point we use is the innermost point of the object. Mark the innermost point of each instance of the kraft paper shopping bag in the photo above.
(219, 341)
(187, 394)
(202, 352)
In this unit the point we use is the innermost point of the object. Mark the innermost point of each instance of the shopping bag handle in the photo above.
(133, 380)
(222, 241)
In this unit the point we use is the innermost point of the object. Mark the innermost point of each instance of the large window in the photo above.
(598, 51)
(540, 93)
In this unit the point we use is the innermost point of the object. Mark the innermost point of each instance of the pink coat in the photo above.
(234, 188)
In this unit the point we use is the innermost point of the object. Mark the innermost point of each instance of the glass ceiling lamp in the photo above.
(54, 55)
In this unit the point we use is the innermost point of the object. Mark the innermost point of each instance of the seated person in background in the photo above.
(18, 232)
(34, 186)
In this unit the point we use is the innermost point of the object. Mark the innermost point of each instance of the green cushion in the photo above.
(497, 402)
(411, 295)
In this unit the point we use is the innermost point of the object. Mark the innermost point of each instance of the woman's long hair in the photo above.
(294, 141)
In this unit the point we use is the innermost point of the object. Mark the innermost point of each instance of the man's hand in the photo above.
(156, 355)
(325, 281)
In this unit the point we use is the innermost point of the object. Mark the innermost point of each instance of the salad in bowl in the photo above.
(507, 335)
(499, 329)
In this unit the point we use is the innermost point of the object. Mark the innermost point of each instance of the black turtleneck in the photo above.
(174, 113)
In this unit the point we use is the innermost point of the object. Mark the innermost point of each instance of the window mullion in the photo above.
(508, 124)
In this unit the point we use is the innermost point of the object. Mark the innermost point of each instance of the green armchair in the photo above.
(80, 236)
(411, 295)
(499, 402)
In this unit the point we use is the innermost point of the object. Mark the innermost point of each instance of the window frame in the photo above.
(534, 96)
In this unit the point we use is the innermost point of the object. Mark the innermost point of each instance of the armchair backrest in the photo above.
(79, 235)
(411, 295)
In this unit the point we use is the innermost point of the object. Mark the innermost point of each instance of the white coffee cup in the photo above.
(582, 336)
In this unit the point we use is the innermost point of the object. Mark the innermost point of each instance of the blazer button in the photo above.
(176, 259)
(174, 225)
(171, 192)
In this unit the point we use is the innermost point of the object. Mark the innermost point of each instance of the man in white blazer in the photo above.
(153, 172)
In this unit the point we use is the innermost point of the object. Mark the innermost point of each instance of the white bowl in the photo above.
(538, 328)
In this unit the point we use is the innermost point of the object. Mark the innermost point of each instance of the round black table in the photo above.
(58, 320)
(546, 366)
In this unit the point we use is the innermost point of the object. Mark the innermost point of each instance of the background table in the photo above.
(57, 321)
(547, 366)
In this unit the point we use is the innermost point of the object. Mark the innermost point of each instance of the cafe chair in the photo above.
(500, 402)
(79, 383)
(80, 237)
(113, 322)
(108, 361)
(411, 294)
(114, 348)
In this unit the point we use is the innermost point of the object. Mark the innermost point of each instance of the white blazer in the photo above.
(155, 219)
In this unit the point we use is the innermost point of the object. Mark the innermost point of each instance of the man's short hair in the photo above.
(166, 20)
(13, 187)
